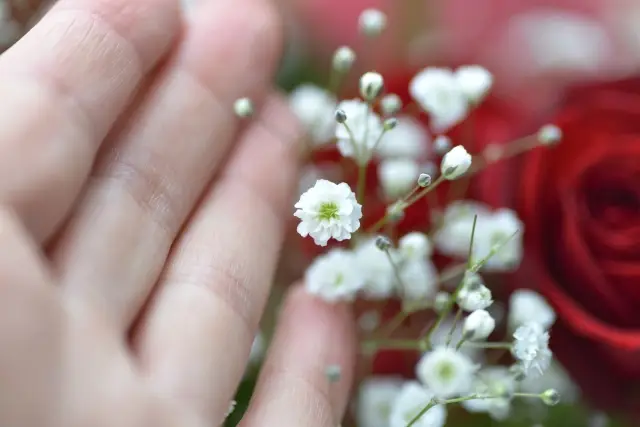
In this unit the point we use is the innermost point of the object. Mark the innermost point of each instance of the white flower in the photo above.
(343, 59)
(334, 276)
(442, 144)
(419, 278)
(492, 381)
(474, 81)
(446, 372)
(478, 325)
(474, 295)
(315, 108)
(454, 236)
(502, 229)
(328, 210)
(549, 135)
(455, 163)
(408, 139)
(415, 245)
(555, 377)
(372, 22)
(412, 399)
(358, 136)
(531, 348)
(375, 400)
(437, 91)
(371, 85)
(528, 306)
(397, 176)
(390, 104)
(377, 270)
(440, 336)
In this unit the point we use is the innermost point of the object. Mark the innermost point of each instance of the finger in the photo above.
(293, 389)
(62, 87)
(195, 342)
(147, 183)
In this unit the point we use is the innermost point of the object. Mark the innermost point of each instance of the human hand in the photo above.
(139, 238)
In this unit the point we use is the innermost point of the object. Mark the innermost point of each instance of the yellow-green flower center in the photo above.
(328, 211)
(446, 371)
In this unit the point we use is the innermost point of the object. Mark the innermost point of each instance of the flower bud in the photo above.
(442, 144)
(341, 116)
(478, 326)
(243, 107)
(474, 81)
(390, 124)
(455, 163)
(550, 397)
(390, 104)
(371, 85)
(343, 59)
(549, 135)
(372, 22)
(383, 243)
(424, 180)
(441, 301)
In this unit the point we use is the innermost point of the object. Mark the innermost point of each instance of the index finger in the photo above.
(62, 87)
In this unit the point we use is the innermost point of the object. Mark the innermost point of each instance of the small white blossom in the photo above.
(371, 85)
(474, 81)
(397, 176)
(415, 245)
(440, 336)
(419, 279)
(501, 229)
(390, 104)
(474, 295)
(334, 276)
(424, 180)
(315, 108)
(529, 306)
(442, 144)
(375, 400)
(492, 381)
(555, 377)
(243, 107)
(437, 91)
(454, 236)
(441, 301)
(362, 131)
(343, 59)
(455, 163)
(372, 22)
(549, 135)
(412, 398)
(446, 372)
(531, 348)
(408, 139)
(377, 270)
(328, 210)
(478, 325)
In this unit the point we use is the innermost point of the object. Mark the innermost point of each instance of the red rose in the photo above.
(580, 202)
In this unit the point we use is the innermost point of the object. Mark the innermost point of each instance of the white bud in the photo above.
(549, 135)
(424, 180)
(478, 325)
(441, 301)
(550, 397)
(341, 116)
(343, 59)
(390, 124)
(474, 81)
(243, 107)
(455, 163)
(442, 144)
(383, 243)
(371, 85)
(372, 22)
(390, 104)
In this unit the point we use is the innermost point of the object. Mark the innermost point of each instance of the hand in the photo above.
(139, 235)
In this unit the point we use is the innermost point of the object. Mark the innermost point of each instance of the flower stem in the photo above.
(456, 319)
(500, 345)
(392, 344)
(362, 182)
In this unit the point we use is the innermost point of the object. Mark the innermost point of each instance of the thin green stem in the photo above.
(456, 319)
(392, 344)
(423, 411)
(473, 234)
(396, 271)
(500, 345)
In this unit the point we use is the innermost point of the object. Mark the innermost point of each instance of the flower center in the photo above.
(446, 372)
(327, 211)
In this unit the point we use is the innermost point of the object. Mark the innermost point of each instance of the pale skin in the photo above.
(141, 223)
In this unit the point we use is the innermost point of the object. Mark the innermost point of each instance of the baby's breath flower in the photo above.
(555, 377)
(343, 59)
(315, 108)
(377, 270)
(243, 107)
(437, 91)
(441, 301)
(474, 81)
(531, 348)
(446, 372)
(375, 400)
(549, 135)
(529, 306)
(455, 163)
(409, 139)
(550, 397)
(372, 22)
(334, 276)
(474, 295)
(371, 85)
(499, 232)
(328, 210)
(442, 144)
(397, 176)
(413, 397)
(478, 325)
(415, 245)
(419, 279)
(390, 104)
(492, 381)
(360, 131)
(424, 180)
(453, 237)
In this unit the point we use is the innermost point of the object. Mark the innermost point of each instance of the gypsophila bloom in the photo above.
(474, 81)
(474, 295)
(441, 301)
(315, 108)
(397, 176)
(371, 85)
(437, 91)
(549, 135)
(424, 180)
(529, 306)
(390, 104)
(328, 210)
(440, 337)
(555, 377)
(492, 381)
(455, 163)
(413, 397)
(343, 59)
(375, 399)
(531, 348)
(377, 270)
(446, 372)
(408, 139)
(500, 232)
(419, 279)
(442, 144)
(365, 130)
(454, 236)
(372, 22)
(415, 245)
(243, 107)
(334, 276)
(478, 325)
